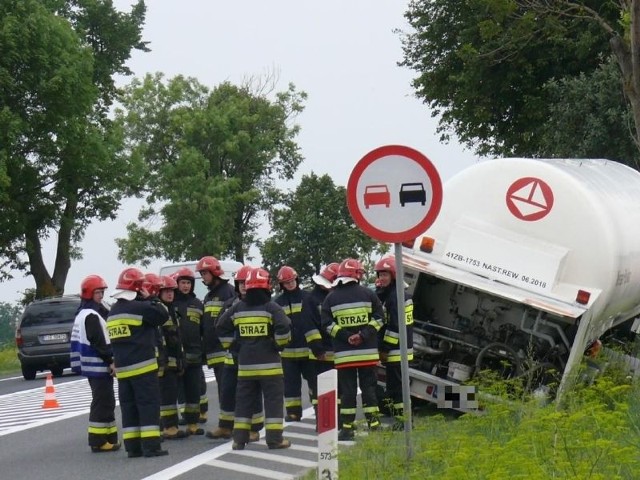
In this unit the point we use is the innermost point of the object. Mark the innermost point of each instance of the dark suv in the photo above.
(44, 333)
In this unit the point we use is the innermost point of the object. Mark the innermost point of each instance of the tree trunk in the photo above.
(33, 247)
(627, 57)
(63, 260)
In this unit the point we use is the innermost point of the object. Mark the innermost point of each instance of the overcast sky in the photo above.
(344, 54)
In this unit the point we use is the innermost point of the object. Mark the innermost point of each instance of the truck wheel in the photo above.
(57, 371)
(29, 373)
(499, 353)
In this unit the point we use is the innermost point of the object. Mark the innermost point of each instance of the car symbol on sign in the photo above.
(377, 195)
(412, 193)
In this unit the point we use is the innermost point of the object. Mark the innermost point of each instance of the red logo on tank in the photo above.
(529, 199)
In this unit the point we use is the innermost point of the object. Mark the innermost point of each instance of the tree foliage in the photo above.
(312, 227)
(58, 149)
(9, 315)
(213, 157)
(486, 67)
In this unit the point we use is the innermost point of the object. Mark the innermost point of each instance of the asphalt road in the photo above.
(37, 443)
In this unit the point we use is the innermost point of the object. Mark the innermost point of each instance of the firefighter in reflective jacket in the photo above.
(319, 341)
(295, 356)
(219, 292)
(91, 356)
(260, 328)
(170, 361)
(229, 380)
(389, 339)
(132, 326)
(352, 315)
(190, 310)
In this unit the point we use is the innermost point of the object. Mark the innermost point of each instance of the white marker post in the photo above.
(328, 425)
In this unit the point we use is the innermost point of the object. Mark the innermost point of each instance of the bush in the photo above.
(9, 362)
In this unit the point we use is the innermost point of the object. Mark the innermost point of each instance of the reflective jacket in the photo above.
(291, 303)
(259, 332)
(318, 340)
(171, 355)
(132, 326)
(91, 352)
(190, 312)
(349, 309)
(389, 334)
(214, 302)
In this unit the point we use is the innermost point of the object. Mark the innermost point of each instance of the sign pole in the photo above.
(394, 194)
(404, 357)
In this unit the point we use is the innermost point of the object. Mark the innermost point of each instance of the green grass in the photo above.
(9, 360)
(596, 436)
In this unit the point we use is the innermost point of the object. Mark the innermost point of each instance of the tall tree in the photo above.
(313, 227)
(485, 67)
(213, 158)
(58, 149)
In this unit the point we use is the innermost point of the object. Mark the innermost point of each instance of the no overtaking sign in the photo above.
(394, 193)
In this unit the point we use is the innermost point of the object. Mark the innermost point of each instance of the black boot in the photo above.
(158, 452)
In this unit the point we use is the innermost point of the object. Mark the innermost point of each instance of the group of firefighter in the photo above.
(157, 335)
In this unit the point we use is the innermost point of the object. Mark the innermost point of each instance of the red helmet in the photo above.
(152, 283)
(168, 282)
(241, 274)
(185, 272)
(258, 278)
(89, 284)
(351, 268)
(130, 279)
(210, 264)
(330, 272)
(387, 264)
(286, 274)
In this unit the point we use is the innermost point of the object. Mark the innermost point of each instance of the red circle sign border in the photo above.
(436, 190)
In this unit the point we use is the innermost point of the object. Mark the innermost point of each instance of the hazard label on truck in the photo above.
(529, 199)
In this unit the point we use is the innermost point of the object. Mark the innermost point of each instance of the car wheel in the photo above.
(29, 373)
(57, 371)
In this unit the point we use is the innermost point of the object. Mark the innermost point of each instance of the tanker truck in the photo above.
(527, 264)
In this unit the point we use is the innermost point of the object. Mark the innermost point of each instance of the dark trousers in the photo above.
(140, 406)
(228, 385)
(169, 398)
(294, 372)
(319, 368)
(204, 400)
(102, 419)
(271, 388)
(191, 387)
(393, 391)
(348, 379)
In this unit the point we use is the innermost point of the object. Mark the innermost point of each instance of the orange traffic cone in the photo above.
(50, 394)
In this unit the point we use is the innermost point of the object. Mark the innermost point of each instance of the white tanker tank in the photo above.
(527, 263)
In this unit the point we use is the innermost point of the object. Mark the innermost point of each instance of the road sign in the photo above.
(394, 193)
(529, 199)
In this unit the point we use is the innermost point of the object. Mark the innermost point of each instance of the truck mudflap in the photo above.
(535, 300)
(444, 393)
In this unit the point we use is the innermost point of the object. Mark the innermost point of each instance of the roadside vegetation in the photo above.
(596, 435)
(9, 360)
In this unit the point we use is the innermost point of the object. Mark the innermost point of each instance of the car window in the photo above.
(49, 313)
